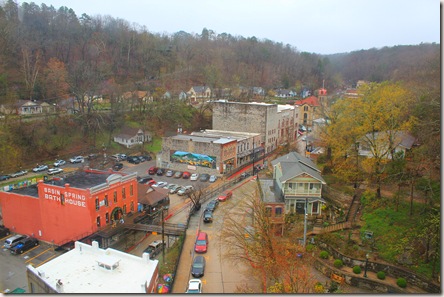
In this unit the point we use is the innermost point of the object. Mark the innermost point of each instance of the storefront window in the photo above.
(107, 218)
(124, 209)
(98, 221)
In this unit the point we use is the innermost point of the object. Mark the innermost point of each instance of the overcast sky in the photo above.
(317, 26)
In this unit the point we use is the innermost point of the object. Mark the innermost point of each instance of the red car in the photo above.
(186, 175)
(151, 182)
(152, 170)
(225, 196)
(201, 244)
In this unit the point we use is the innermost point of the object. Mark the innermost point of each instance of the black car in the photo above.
(24, 245)
(198, 266)
(117, 166)
(133, 160)
(141, 158)
(144, 179)
(5, 177)
(204, 177)
(212, 205)
(147, 157)
(159, 171)
(4, 231)
(208, 216)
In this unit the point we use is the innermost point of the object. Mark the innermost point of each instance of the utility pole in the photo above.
(163, 237)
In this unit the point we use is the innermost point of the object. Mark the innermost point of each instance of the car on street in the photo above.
(160, 172)
(244, 175)
(151, 183)
(4, 231)
(204, 177)
(198, 266)
(169, 173)
(212, 205)
(160, 184)
(24, 245)
(4, 177)
(194, 286)
(194, 176)
(133, 160)
(178, 174)
(213, 178)
(225, 196)
(201, 244)
(185, 190)
(208, 216)
(40, 168)
(52, 171)
(19, 173)
(186, 175)
(117, 166)
(175, 189)
(152, 170)
(122, 157)
(170, 186)
(59, 163)
(77, 159)
(144, 179)
(142, 158)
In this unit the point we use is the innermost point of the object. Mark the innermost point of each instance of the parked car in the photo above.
(52, 171)
(93, 156)
(40, 168)
(244, 175)
(169, 173)
(208, 216)
(144, 179)
(194, 286)
(77, 159)
(116, 157)
(213, 178)
(11, 241)
(194, 176)
(59, 163)
(198, 266)
(4, 177)
(186, 175)
(152, 170)
(24, 245)
(160, 184)
(201, 244)
(151, 183)
(133, 160)
(185, 190)
(225, 196)
(170, 186)
(204, 177)
(19, 173)
(4, 231)
(160, 171)
(122, 157)
(154, 248)
(117, 166)
(141, 158)
(212, 205)
(175, 189)
(147, 157)
(177, 174)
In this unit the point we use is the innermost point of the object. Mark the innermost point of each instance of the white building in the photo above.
(90, 269)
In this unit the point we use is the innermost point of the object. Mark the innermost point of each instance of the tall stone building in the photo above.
(277, 124)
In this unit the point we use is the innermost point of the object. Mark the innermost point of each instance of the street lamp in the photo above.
(366, 263)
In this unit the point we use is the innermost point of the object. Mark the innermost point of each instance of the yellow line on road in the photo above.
(29, 260)
(53, 256)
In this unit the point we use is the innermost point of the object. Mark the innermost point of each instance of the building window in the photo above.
(124, 209)
(62, 199)
(278, 211)
(106, 200)
(268, 211)
(97, 204)
(98, 221)
(115, 196)
(131, 190)
(305, 108)
(123, 193)
(107, 218)
(132, 206)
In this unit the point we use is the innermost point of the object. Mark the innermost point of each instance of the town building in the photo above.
(298, 181)
(198, 93)
(277, 124)
(130, 137)
(309, 109)
(88, 269)
(70, 207)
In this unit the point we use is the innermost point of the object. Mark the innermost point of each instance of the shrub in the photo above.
(310, 247)
(357, 269)
(381, 275)
(323, 255)
(401, 282)
(338, 263)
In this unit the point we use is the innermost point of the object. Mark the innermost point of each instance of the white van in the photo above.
(11, 241)
(154, 248)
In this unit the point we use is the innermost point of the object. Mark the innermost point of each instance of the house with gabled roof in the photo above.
(299, 182)
(199, 92)
(132, 136)
(284, 93)
(386, 144)
(308, 109)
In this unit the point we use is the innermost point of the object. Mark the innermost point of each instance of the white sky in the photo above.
(318, 26)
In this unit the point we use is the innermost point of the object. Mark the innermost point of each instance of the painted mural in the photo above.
(193, 159)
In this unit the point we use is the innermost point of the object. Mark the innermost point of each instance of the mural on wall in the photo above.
(193, 159)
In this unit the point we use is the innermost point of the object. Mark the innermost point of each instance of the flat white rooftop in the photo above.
(90, 269)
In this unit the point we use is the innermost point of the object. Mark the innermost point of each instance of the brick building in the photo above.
(70, 207)
(277, 124)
